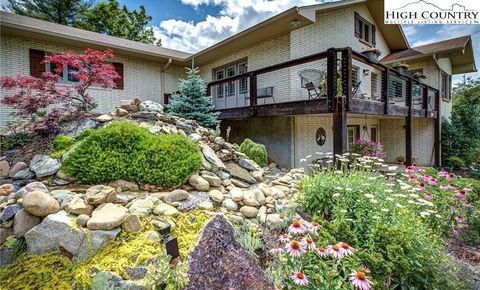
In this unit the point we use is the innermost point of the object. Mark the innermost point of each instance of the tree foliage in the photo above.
(58, 11)
(192, 102)
(112, 19)
(461, 134)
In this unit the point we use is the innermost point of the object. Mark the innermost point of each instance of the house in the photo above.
(297, 82)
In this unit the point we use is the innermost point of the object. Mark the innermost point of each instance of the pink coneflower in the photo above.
(300, 279)
(450, 186)
(346, 249)
(334, 251)
(432, 181)
(443, 173)
(427, 196)
(461, 194)
(296, 228)
(295, 249)
(322, 252)
(421, 186)
(454, 231)
(412, 179)
(360, 281)
(284, 238)
(424, 177)
(308, 243)
(451, 177)
(410, 170)
(459, 220)
(314, 227)
(279, 286)
(276, 251)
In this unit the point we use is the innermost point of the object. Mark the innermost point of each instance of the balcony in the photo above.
(336, 79)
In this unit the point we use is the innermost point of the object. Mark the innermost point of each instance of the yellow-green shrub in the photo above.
(257, 152)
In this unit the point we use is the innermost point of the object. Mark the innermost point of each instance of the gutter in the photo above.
(162, 79)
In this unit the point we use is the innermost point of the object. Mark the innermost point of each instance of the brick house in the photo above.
(297, 82)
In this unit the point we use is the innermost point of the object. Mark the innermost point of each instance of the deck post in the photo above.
(339, 127)
(408, 126)
(253, 94)
(438, 135)
(347, 76)
(385, 91)
(331, 77)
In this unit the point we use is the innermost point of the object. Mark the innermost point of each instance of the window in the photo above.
(231, 84)
(375, 86)
(243, 83)
(355, 73)
(446, 86)
(373, 133)
(231, 88)
(353, 134)
(220, 75)
(364, 30)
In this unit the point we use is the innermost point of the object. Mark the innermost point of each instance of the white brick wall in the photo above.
(392, 136)
(423, 141)
(142, 78)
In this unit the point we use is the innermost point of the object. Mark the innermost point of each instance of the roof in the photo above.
(43, 30)
(459, 50)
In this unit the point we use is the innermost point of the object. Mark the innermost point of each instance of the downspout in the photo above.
(162, 79)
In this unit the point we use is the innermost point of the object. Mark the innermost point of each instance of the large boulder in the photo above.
(57, 233)
(43, 165)
(99, 194)
(240, 173)
(40, 204)
(75, 128)
(32, 186)
(106, 217)
(23, 222)
(211, 157)
(220, 262)
(150, 106)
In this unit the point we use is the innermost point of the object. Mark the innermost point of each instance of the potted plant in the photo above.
(418, 76)
(400, 159)
(401, 67)
(372, 54)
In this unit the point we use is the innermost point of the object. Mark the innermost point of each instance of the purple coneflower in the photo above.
(334, 251)
(314, 227)
(421, 186)
(360, 281)
(427, 196)
(276, 251)
(443, 173)
(295, 249)
(300, 279)
(322, 252)
(432, 181)
(308, 243)
(451, 177)
(412, 179)
(346, 249)
(461, 194)
(296, 228)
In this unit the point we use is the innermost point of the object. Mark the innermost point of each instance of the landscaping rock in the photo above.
(250, 202)
(9, 212)
(75, 128)
(212, 157)
(230, 204)
(121, 112)
(176, 195)
(4, 168)
(194, 200)
(150, 106)
(145, 115)
(23, 222)
(206, 205)
(32, 186)
(106, 217)
(123, 185)
(249, 211)
(237, 194)
(198, 182)
(142, 207)
(40, 203)
(136, 273)
(104, 118)
(212, 179)
(95, 242)
(16, 168)
(220, 262)
(240, 183)
(259, 196)
(216, 196)
(132, 224)
(82, 220)
(6, 189)
(7, 256)
(265, 189)
(63, 196)
(24, 174)
(273, 219)
(277, 193)
(78, 206)
(111, 280)
(166, 210)
(99, 194)
(240, 173)
(5, 233)
(248, 164)
(43, 165)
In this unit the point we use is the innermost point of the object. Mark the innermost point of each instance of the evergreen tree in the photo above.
(192, 102)
(65, 12)
(112, 19)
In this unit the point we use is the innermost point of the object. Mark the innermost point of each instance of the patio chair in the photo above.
(311, 79)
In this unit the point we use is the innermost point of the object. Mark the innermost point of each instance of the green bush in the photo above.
(126, 151)
(63, 142)
(14, 140)
(456, 162)
(257, 152)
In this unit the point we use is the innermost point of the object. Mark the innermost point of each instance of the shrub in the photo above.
(14, 140)
(257, 152)
(367, 148)
(456, 162)
(63, 142)
(126, 151)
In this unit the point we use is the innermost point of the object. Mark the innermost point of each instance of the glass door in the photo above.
(219, 90)
(230, 88)
(244, 97)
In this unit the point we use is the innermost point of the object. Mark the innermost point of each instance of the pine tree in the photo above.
(192, 102)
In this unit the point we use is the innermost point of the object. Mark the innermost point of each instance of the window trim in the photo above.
(446, 92)
(225, 86)
(371, 41)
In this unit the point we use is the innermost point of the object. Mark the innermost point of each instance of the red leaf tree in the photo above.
(49, 98)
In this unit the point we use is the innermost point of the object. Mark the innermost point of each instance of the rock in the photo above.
(176, 195)
(206, 205)
(240, 173)
(145, 115)
(7, 256)
(250, 202)
(106, 217)
(5, 233)
(212, 157)
(99, 194)
(121, 112)
(78, 206)
(259, 196)
(258, 175)
(212, 179)
(277, 193)
(75, 128)
(198, 182)
(248, 164)
(132, 223)
(57, 234)
(166, 210)
(24, 174)
(265, 189)
(43, 165)
(216, 195)
(40, 203)
(142, 207)
(23, 222)
(6, 189)
(194, 200)
(111, 280)
(104, 118)
(4, 168)
(223, 175)
(230, 204)
(9, 212)
(195, 137)
(32, 186)
(63, 196)
(220, 262)
(273, 219)
(82, 220)
(129, 108)
(16, 168)
(153, 236)
(249, 211)
(150, 106)
(262, 214)
(236, 194)
(240, 183)
(124, 185)
(136, 273)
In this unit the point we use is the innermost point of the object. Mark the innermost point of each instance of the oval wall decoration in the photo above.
(320, 136)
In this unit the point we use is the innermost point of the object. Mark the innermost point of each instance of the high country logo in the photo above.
(425, 12)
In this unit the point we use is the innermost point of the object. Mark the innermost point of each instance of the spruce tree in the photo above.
(192, 102)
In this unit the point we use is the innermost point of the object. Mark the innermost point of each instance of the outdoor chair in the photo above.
(311, 79)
